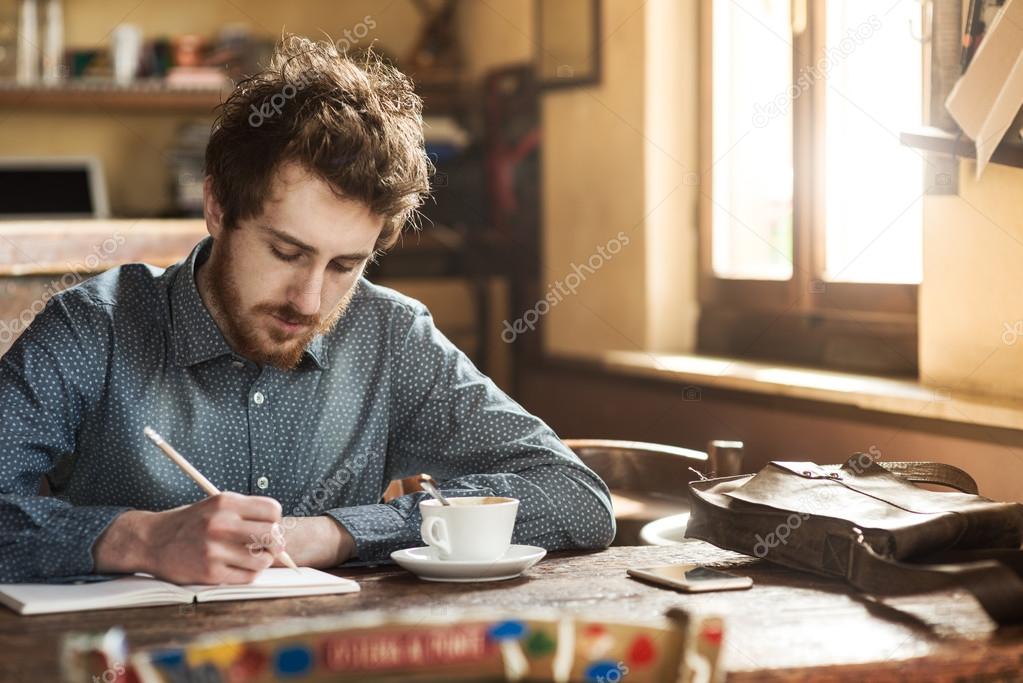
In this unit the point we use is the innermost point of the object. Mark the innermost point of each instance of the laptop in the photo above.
(52, 187)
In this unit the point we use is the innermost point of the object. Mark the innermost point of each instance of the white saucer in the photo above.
(423, 563)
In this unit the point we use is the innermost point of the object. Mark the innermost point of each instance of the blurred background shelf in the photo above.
(440, 98)
(155, 97)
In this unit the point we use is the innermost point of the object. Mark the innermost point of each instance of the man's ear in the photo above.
(211, 210)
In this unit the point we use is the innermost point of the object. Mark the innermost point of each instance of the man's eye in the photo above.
(284, 257)
(340, 268)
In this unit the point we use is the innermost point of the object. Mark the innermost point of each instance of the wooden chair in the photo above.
(647, 480)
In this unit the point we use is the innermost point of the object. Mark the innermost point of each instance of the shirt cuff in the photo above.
(71, 533)
(378, 530)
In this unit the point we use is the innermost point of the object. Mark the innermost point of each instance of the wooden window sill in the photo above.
(867, 392)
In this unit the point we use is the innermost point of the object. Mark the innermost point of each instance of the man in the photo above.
(292, 383)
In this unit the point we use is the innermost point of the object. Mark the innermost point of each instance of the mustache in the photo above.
(289, 314)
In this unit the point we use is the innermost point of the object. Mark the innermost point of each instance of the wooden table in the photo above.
(790, 626)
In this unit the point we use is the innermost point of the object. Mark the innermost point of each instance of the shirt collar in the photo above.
(316, 351)
(196, 335)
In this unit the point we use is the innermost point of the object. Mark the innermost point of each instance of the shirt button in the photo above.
(258, 398)
(263, 482)
(238, 363)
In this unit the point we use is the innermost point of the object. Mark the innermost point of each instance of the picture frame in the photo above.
(568, 57)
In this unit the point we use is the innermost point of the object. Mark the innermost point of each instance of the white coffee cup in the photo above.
(475, 529)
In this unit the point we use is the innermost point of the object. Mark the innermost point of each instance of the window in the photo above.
(752, 208)
(811, 209)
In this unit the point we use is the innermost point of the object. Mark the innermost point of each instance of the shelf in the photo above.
(942, 141)
(149, 97)
(155, 97)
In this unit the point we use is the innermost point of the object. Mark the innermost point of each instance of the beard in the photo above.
(252, 333)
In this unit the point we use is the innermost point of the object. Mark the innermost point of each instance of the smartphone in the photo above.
(692, 578)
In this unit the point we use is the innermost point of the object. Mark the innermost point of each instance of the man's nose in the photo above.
(305, 294)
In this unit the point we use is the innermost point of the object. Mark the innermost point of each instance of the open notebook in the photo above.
(142, 590)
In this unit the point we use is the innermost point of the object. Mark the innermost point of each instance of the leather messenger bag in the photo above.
(869, 523)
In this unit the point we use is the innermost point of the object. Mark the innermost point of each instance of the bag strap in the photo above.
(932, 473)
(997, 584)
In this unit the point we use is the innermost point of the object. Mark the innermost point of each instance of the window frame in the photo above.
(858, 327)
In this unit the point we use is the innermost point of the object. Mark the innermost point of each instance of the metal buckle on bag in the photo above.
(857, 539)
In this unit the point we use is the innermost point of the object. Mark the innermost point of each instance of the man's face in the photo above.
(283, 277)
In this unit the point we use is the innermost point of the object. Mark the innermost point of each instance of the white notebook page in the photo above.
(144, 590)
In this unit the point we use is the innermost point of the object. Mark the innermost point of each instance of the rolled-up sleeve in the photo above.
(450, 420)
(48, 379)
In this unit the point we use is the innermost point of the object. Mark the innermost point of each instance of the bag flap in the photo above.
(805, 483)
(866, 495)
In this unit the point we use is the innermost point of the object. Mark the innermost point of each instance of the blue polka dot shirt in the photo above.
(383, 395)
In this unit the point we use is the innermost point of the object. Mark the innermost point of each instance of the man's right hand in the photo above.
(206, 542)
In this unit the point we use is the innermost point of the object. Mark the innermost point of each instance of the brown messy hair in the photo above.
(355, 122)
